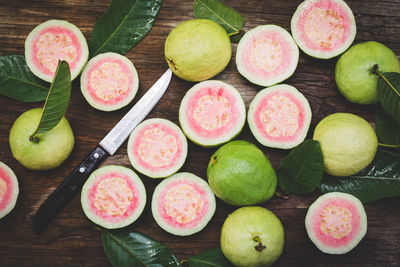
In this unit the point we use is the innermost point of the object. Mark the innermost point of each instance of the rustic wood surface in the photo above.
(71, 239)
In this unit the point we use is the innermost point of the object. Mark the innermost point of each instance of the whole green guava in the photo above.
(51, 148)
(198, 49)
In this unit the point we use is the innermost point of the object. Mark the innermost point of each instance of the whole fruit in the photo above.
(51, 148)
(251, 237)
(354, 71)
(348, 143)
(240, 174)
(198, 49)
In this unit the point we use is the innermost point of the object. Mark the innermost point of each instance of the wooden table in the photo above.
(71, 239)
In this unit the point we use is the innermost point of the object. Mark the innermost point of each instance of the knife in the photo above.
(107, 147)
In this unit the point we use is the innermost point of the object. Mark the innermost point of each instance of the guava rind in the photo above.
(311, 220)
(8, 177)
(197, 50)
(56, 23)
(240, 174)
(238, 107)
(53, 147)
(135, 181)
(176, 229)
(241, 227)
(348, 143)
(182, 150)
(287, 46)
(132, 85)
(279, 142)
(353, 71)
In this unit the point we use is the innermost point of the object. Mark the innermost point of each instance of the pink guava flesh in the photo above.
(6, 188)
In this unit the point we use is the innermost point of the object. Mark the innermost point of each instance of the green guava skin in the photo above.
(198, 49)
(354, 71)
(348, 143)
(240, 230)
(240, 174)
(52, 149)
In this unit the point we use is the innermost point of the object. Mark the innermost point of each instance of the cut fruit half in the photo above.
(9, 189)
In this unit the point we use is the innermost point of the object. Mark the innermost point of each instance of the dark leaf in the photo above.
(213, 258)
(389, 93)
(387, 129)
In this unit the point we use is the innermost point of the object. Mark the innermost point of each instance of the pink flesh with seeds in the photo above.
(324, 26)
(109, 81)
(267, 54)
(52, 44)
(336, 222)
(113, 197)
(6, 188)
(212, 111)
(183, 204)
(280, 116)
(157, 147)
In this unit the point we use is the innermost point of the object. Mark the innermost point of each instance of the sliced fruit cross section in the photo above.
(9, 189)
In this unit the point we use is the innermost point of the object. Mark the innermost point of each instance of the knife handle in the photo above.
(67, 189)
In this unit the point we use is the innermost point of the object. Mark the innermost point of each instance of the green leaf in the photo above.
(381, 179)
(126, 247)
(302, 170)
(231, 20)
(123, 25)
(389, 93)
(57, 99)
(387, 129)
(213, 257)
(18, 82)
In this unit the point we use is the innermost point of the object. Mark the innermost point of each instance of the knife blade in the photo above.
(107, 147)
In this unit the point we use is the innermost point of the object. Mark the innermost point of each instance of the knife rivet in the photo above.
(96, 155)
(81, 170)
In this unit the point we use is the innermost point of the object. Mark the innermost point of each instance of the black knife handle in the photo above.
(67, 189)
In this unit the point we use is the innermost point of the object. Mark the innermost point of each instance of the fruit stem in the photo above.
(375, 70)
(214, 160)
(260, 247)
(172, 63)
(282, 195)
(34, 138)
(387, 145)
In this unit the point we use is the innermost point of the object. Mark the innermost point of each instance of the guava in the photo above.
(55, 40)
(198, 49)
(336, 222)
(240, 174)
(354, 71)
(323, 28)
(348, 143)
(212, 112)
(252, 237)
(183, 204)
(157, 148)
(113, 197)
(267, 55)
(279, 116)
(9, 189)
(47, 150)
(109, 81)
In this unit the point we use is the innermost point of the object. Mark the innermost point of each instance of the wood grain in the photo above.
(71, 239)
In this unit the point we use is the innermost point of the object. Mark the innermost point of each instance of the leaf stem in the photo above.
(387, 145)
(376, 71)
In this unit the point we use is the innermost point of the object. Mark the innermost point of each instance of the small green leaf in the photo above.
(57, 99)
(231, 20)
(389, 93)
(213, 258)
(18, 82)
(302, 170)
(123, 25)
(126, 247)
(387, 129)
(381, 179)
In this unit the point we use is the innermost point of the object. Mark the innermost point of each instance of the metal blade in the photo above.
(138, 112)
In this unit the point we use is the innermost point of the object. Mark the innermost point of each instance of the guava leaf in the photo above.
(18, 82)
(380, 179)
(302, 170)
(57, 99)
(126, 247)
(389, 93)
(213, 257)
(231, 20)
(124, 24)
(387, 129)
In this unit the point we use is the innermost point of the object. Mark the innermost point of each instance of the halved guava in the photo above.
(157, 148)
(9, 189)
(211, 113)
(323, 28)
(267, 55)
(279, 116)
(336, 222)
(109, 81)
(55, 40)
(113, 197)
(183, 204)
